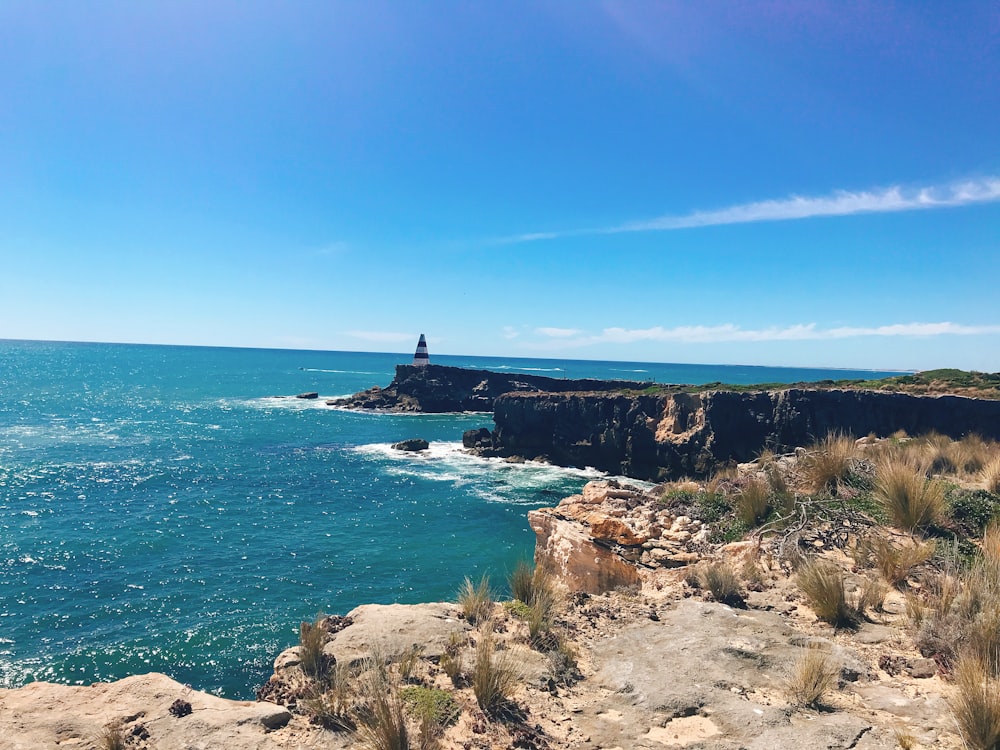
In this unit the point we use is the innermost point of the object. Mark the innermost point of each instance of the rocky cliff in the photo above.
(658, 437)
(437, 388)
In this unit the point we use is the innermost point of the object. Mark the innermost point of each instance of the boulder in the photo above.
(309, 395)
(413, 445)
(394, 629)
(480, 439)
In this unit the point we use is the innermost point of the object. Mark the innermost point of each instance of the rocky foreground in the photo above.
(629, 642)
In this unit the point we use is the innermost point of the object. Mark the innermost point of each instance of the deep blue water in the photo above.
(162, 509)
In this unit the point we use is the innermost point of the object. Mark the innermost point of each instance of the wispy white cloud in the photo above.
(333, 248)
(510, 332)
(799, 332)
(384, 337)
(839, 203)
(558, 333)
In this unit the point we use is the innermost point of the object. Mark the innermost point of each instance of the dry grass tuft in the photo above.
(536, 588)
(495, 675)
(476, 600)
(814, 675)
(380, 716)
(822, 584)
(753, 502)
(111, 737)
(909, 499)
(904, 739)
(723, 582)
(521, 581)
(976, 705)
(312, 638)
(451, 659)
(990, 475)
(330, 707)
(961, 614)
(828, 462)
(895, 563)
(871, 595)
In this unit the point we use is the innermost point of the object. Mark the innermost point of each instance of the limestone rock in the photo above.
(44, 716)
(394, 629)
(615, 531)
(707, 673)
(570, 552)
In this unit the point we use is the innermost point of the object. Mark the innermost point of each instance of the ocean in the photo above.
(173, 509)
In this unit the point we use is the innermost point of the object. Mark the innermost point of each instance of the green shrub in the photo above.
(431, 706)
(518, 609)
(711, 506)
(973, 509)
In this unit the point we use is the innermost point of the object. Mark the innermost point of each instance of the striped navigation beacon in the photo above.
(421, 357)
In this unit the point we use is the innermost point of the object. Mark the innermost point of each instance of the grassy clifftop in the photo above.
(926, 383)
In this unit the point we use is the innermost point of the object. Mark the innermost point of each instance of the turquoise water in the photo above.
(163, 509)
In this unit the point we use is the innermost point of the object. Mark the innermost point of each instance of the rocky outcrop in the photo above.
(602, 539)
(411, 445)
(43, 715)
(438, 388)
(662, 436)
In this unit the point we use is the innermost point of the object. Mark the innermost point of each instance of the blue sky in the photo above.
(776, 183)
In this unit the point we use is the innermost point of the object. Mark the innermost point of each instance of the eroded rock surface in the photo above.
(42, 715)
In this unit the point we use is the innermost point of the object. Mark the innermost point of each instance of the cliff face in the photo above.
(658, 437)
(437, 388)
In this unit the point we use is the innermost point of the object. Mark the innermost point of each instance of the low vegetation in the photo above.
(722, 582)
(495, 675)
(111, 737)
(908, 498)
(928, 382)
(976, 705)
(312, 638)
(381, 720)
(822, 584)
(829, 462)
(476, 599)
(814, 675)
